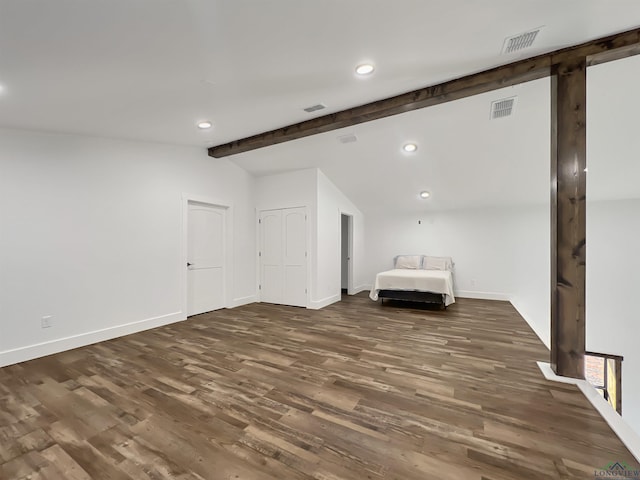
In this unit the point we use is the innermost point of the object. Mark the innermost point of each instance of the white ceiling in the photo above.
(464, 159)
(151, 69)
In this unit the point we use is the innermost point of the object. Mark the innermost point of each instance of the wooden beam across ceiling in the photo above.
(596, 51)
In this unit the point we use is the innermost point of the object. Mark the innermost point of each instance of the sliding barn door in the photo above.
(283, 256)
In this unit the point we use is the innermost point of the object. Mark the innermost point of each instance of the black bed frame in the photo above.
(412, 296)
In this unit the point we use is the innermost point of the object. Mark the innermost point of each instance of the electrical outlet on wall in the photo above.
(472, 282)
(47, 321)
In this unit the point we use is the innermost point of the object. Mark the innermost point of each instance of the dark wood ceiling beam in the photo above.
(425, 97)
(597, 51)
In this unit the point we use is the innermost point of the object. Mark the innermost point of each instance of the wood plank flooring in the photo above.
(354, 391)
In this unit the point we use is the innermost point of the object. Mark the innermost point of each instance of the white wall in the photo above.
(287, 190)
(613, 284)
(531, 293)
(480, 241)
(613, 222)
(332, 203)
(91, 234)
(310, 188)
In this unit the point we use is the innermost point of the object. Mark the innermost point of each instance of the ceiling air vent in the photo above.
(520, 42)
(315, 108)
(502, 108)
(350, 138)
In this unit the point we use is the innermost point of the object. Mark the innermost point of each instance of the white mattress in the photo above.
(436, 281)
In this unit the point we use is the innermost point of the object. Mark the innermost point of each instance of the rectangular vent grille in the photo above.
(520, 42)
(315, 108)
(350, 138)
(502, 108)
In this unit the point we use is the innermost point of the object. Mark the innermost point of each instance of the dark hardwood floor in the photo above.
(353, 391)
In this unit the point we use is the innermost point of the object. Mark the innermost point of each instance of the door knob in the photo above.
(189, 264)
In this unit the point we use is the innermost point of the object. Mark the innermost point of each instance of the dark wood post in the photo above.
(568, 216)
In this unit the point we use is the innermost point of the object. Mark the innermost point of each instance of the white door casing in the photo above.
(206, 225)
(294, 225)
(349, 250)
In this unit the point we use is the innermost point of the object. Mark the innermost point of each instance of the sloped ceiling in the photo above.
(463, 159)
(149, 70)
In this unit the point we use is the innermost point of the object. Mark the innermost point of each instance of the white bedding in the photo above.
(436, 281)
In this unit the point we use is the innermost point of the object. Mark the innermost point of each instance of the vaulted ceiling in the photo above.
(151, 69)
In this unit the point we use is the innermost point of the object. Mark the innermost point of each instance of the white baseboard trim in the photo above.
(22, 354)
(621, 428)
(483, 295)
(238, 302)
(360, 288)
(532, 326)
(318, 304)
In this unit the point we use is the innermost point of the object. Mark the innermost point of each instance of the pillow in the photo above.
(437, 263)
(408, 261)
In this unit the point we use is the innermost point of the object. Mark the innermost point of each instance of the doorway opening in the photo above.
(346, 253)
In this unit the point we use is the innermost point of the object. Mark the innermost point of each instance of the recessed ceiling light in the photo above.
(425, 194)
(410, 147)
(204, 125)
(365, 69)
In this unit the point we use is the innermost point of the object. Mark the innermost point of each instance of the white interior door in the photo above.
(283, 256)
(205, 258)
(271, 265)
(294, 226)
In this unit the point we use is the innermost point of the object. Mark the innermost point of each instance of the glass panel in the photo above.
(594, 370)
(611, 382)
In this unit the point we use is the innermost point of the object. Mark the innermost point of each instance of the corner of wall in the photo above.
(360, 288)
(537, 329)
(318, 304)
(238, 302)
(29, 352)
(505, 297)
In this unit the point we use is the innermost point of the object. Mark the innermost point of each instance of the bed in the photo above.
(418, 278)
